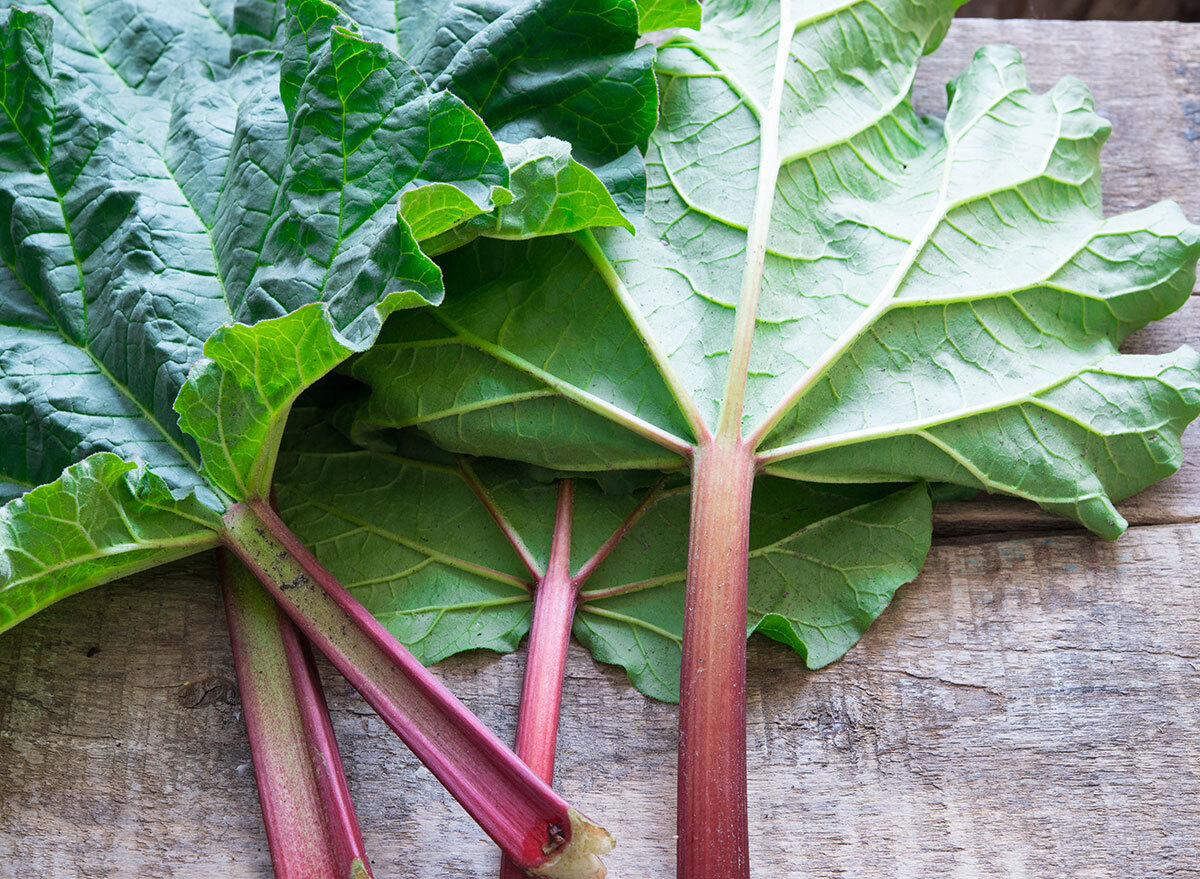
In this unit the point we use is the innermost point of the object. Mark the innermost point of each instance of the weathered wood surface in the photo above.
(1128, 10)
(1030, 707)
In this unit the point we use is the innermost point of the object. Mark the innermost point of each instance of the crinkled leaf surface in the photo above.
(569, 69)
(413, 534)
(552, 194)
(270, 198)
(926, 299)
(128, 50)
(447, 24)
(540, 73)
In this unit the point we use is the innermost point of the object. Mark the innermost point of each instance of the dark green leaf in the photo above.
(127, 243)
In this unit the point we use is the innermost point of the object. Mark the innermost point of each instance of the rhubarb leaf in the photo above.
(925, 300)
(413, 533)
(661, 14)
(567, 69)
(129, 50)
(446, 25)
(268, 204)
(102, 519)
(552, 194)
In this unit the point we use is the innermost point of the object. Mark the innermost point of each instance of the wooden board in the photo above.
(1129, 10)
(1030, 707)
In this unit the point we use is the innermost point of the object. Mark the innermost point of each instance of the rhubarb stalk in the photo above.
(310, 822)
(554, 599)
(713, 832)
(557, 594)
(517, 809)
(712, 809)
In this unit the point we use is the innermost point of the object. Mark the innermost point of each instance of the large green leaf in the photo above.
(413, 534)
(272, 201)
(925, 299)
(103, 518)
(188, 244)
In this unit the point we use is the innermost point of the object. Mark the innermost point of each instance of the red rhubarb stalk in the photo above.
(530, 822)
(713, 833)
(310, 822)
(556, 596)
(549, 637)
(554, 599)
(712, 820)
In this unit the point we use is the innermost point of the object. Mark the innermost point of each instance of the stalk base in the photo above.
(580, 857)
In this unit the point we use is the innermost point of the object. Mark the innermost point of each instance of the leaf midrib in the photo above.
(200, 540)
(729, 419)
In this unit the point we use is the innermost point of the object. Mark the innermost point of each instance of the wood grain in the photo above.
(1128, 10)
(1030, 707)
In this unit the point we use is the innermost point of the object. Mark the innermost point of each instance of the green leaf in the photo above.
(819, 589)
(271, 199)
(104, 518)
(413, 534)
(867, 295)
(564, 68)
(129, 50)
(661, 14)
(568, 69)
(552, 195)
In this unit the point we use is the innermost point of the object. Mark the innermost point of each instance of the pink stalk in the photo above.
(309, 818)
(556, 596)
(554, 600)
(517, 809)
(549, 637)
(713, 832)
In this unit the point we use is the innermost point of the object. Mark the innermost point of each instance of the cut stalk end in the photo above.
(579, 857)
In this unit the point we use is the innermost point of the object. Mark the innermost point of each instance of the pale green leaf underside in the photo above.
(408, 535)
(936, 300)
